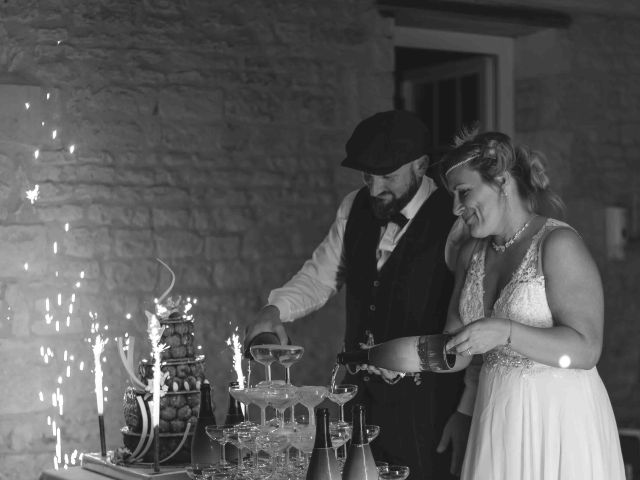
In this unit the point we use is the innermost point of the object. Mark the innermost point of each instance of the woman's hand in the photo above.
(480, 336)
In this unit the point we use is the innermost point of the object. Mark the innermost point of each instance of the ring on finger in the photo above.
(468, 352)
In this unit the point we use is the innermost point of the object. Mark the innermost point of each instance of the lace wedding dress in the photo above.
(532, 421)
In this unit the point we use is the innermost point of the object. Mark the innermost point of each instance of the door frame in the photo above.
(502, 48)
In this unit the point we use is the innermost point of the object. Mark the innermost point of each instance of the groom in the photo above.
(387, 247)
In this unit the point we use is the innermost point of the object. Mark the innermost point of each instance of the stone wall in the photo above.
(206, 134)
(577, 99)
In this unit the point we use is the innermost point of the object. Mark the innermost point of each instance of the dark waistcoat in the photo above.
(410, 294)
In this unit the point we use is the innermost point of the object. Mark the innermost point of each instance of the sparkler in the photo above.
(155, 330)
(234, 342)
(98, 347)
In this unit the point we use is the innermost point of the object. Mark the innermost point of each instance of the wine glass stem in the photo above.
(222, 453)
(239, 458)
(287, 375)
(263, 415)
(342, 412)
(267, 372)
(312, 417)
(280, 416)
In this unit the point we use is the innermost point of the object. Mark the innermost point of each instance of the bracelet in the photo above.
(509, 337)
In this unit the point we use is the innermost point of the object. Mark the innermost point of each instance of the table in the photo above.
(96, 467)
(71, 473)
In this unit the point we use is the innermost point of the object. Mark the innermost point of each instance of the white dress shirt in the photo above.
(322, 275)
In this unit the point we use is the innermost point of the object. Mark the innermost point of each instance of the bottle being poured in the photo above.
(424, 353)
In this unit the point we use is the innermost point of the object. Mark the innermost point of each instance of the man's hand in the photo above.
(389, 376)
(456, 433)
(267, 320)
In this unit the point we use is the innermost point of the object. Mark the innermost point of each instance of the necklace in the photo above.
(512, 240)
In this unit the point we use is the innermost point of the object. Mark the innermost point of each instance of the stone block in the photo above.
(222, 247)
(87, 242)
(232, 275)
(223, 220)
(170, 218)
(59, 214)
(180, 103)
(20, 244)
(133, 243)
(119, 215)
(178, 244)
(123, 276)
(24, 125)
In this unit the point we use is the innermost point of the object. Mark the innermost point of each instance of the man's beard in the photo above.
(385, 210)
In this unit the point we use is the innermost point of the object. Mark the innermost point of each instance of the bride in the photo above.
(528, 297)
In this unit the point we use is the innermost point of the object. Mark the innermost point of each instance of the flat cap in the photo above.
(385, 141)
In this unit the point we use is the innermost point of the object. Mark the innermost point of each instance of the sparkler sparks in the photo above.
(234, 342)
(98, 347)
(155, 329)
(32, 195)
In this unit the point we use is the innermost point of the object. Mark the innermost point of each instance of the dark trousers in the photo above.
(411, 420)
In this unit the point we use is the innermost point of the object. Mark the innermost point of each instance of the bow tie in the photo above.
(397, 218)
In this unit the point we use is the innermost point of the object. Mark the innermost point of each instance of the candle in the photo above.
(98, 347)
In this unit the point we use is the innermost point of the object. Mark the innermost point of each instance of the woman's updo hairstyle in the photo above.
(492, 154)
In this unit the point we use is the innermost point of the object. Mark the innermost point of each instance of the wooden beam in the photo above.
(480, 18)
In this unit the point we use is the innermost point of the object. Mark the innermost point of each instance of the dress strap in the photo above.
(550, 225)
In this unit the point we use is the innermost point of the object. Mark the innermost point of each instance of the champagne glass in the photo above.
(382, 466)
(395, 472)
(240, 394)
(311, 396)
(340, 432)
(281, 398)
(287, 355)
(341, 394)
(272, 441)
(258, 396)
(232, 436)
(217, 434)
(247, 433)
(264, 354)
(200, 472)
(372, 432)
(303, 439)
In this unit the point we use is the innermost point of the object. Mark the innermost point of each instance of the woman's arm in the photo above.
(575, 298)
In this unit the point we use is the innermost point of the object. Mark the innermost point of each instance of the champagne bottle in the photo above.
(360, 464)
(425, 353)
(202, 449)
(323, 464)
(233, 417)
(234, 412)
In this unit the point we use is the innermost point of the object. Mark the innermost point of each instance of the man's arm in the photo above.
(311, 287)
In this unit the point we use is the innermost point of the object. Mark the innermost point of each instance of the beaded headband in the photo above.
(487, 152)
